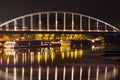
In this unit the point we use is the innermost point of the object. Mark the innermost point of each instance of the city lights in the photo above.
(58, 45)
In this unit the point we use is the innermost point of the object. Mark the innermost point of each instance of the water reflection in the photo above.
(15, 74)
(31, 73)
(56, 73)
(23, 71)
(64, 72)
(97, 48)
(83, 72)
(41, 55)
(56, 63)
(6, 75)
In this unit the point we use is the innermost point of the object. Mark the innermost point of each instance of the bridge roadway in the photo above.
(61, 31)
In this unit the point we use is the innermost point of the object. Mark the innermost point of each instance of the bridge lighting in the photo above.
(63, 55)
(31, 22)
(93, 47)
(9, 51)
(52, 56)
(93, 41)
(56, 21)
(15, 28)
(9, 44)
(64, 21)
(40, 25)
(72, 22)
(115, 71)
(39, 73)
(48, 21)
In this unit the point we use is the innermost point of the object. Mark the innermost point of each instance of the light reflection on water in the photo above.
(42, 55)
(83, 72)
(58, 63)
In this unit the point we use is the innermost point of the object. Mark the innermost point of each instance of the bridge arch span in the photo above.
(57, 21)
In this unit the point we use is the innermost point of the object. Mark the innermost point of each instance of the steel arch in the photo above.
(69, 22)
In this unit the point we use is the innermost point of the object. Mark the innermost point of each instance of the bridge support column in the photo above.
(80, 22)
(64, 22)
(47, 21)
(88, 24)
(105, 27)
(23, 24)
(97, 25)
(72, 22)
(15, 25)
(39, 21)
(56, 22)
(31, 22)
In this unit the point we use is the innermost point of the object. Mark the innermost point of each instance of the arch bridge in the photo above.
(57, 21)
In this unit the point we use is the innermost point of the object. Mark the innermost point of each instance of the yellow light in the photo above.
(67, 55)
(46, 57)
(52, 56)
(39, 36)
(81, 53)
(14, 59)
(8, 60)
(76, 53)
(63, 55)
(72, 54)
(23, 58)
(38, 57)
(52, 36)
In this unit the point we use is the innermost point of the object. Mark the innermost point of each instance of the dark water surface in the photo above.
(58, 63)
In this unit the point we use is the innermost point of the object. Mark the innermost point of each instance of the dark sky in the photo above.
(106, 10)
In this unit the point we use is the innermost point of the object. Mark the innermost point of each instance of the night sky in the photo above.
(106, 10)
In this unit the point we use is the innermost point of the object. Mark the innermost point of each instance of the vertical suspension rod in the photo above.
(64, 21)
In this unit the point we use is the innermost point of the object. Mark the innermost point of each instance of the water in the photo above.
(57, 63)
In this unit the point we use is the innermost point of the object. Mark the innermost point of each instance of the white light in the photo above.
(9, 44)
(31, 73)
(97, 73)
(64, 72)
(56, 73)
(72, 74)
(23, 73)
(15, 74)
(93, 47)
(89, 70)
(6, 73)
(9, 51)
(93, 41)
(39, 77)
(47, 73)
(81, 73)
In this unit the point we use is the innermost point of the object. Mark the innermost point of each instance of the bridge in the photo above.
(56, 21)
(56, 26)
